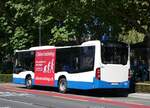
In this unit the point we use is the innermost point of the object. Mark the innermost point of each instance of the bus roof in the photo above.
(87, 43)
(41, 47)
(45, 47)
(36, 48)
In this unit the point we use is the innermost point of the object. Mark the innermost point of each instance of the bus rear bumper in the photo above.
(110, 85)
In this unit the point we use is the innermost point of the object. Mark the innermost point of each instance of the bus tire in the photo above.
(62, 85)
(28, 82)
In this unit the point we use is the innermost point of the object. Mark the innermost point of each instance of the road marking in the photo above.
(6, 107)
(8, 100)
(7, 94)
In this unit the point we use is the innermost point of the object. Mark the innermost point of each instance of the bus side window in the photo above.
(87, 58)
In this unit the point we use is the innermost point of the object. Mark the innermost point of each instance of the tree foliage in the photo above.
(63, 21)
(60, 34)
(71, 20)
(131, 37)
(21, 38)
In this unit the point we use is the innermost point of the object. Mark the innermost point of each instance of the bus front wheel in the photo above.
(29, 82)
(62, 85)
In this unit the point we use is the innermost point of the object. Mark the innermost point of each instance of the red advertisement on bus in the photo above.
(45, 67)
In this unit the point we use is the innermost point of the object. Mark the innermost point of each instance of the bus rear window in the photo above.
(114, 54)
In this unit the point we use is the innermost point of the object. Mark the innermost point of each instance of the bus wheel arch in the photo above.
(28, 81)
(62, 84)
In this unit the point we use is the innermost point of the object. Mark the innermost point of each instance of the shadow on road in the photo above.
(92, 93)
(100, 93)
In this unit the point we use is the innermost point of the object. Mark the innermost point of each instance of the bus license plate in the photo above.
(114, 83)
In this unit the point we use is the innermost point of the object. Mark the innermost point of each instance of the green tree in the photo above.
(77, 19)
(131, 37)
(135, 14)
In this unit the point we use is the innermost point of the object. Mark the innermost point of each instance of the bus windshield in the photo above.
(114, 53)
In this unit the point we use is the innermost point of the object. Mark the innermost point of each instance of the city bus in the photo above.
(91, 65)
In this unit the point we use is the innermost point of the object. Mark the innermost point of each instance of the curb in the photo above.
(140, 95)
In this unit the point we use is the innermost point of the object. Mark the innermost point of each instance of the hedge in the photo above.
(4, 78)
(142, 87)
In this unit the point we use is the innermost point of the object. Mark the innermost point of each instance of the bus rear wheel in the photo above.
(29, 82)
(62, 85)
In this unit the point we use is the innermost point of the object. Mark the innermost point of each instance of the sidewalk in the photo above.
(140, 95)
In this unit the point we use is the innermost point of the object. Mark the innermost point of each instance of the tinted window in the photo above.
(67, 59)
(114, 54)
(24, 61)
(87, 56)
(76, 59)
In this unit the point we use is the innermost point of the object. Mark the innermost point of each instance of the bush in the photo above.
(4, 78)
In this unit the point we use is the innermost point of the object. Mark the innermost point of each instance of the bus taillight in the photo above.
(98, 74)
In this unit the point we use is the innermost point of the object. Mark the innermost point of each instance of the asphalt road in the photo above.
(16, 96)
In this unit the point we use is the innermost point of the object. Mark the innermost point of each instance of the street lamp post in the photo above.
(40, 34)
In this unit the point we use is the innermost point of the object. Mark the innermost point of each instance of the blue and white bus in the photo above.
(91, 65)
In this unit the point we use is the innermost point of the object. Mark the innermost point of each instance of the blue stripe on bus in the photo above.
(20, 81)
(80, 85)
(97, 84)
(103, 84)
